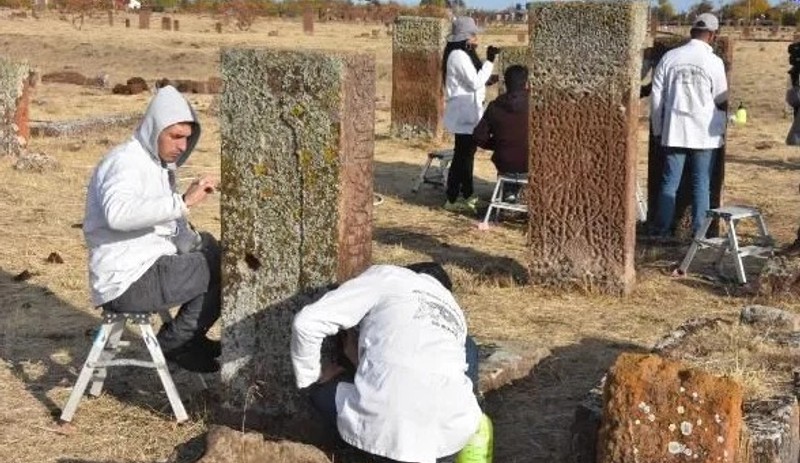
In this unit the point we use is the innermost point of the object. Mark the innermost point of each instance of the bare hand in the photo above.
(198, 190)
(329, 371)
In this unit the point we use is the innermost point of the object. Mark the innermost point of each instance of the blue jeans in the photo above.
(323, 396)
(702, 164)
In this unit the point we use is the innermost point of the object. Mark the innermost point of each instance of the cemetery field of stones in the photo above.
(45, 313)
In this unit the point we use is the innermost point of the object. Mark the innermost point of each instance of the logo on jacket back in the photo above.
(439, 314)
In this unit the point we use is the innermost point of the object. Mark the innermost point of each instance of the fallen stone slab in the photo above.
(81, 126)
(225, 445)
(503, 362)
(770, 317)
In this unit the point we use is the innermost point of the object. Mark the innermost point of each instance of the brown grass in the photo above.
(44, 320)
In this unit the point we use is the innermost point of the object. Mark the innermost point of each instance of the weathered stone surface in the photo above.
(80, 126)
(417, 96)
(723, 47)
(144, 19)
(770, 317)
(15, 87)
(585, 426)
(35, 162)
(674, 338)
(308, 21)
(225, 445)
(771, 431)
(584, 108)
(297, 135)
(166, 23)
(508, 57)
(780, 276)
(658, 410)
(503, 362)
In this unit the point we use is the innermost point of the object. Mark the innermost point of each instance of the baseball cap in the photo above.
(706, 22)
(464, 27)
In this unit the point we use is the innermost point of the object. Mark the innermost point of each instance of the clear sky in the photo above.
(680, 5)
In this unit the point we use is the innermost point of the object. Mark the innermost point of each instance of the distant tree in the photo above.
(754, 8)
(437, 3)
(705, 6)
(664, 11)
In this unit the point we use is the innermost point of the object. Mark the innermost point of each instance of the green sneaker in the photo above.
(475, 202)
(456, 206)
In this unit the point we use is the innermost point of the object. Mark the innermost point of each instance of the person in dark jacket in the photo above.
(504, 128)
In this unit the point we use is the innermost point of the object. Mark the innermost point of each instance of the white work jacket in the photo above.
(411, 400)
(688, 84)
(464, 92)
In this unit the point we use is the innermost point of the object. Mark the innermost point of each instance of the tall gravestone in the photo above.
(15, 88)
(308, 20)
(723, 47)
(584, 110)
(297, 145)
(417, 96)
(144, 19)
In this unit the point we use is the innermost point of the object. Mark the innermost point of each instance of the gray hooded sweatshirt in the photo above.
(134, 214)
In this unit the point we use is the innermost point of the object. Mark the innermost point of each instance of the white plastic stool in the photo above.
(107, 343)
(730, 244)
(498, 202)
(435, 175)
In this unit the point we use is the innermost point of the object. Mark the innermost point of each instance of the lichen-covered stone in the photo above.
(658, 410)
(723, 47)
(417, 96)
(586, 62)
(771, 431)
(503, 362)
(15, 87)
(510, 56)
(780, 276)
(297, 145)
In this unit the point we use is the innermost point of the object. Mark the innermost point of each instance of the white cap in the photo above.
(706, 22)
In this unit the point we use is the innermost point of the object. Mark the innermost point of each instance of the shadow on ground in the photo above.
(532, 417)
(773, 164)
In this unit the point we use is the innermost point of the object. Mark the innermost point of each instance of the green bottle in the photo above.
(480, 448)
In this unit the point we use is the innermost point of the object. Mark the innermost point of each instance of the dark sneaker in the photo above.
(210, 346)
(193, 359)
(793, 250)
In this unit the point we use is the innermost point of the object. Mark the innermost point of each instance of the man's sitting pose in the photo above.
(143, 254)
(504, 129)
(412, 398)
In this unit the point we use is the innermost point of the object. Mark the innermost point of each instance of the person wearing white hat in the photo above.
(688, 114)
(465, 79)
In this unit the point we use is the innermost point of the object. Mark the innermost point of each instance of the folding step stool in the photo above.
(730, 244)
(435, 175)
(641, 204)
(107, 343)
(498, 202)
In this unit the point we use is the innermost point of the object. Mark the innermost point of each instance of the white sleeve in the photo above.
(719, 82)
(340, 309)
(465, 71)
(126, 209)
(657, 100)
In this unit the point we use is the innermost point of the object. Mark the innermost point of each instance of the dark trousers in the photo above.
(459, 178)
(190, 280)
(323, 396)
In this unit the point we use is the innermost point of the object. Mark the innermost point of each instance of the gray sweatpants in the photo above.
(190, 280)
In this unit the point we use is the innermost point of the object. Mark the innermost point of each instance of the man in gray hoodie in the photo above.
(143, 254)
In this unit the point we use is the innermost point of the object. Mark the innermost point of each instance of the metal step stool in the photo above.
(641, 204)
(730, 244)
(435, 175)
(498, 202)
(107, 343)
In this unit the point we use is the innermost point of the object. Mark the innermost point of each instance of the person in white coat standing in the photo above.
(465, 79)
(143, 254)
(412, 395)
(688, 115)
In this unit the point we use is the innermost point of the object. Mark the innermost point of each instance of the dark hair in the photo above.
(435, 270)
(515, 78)
(698, 33)
(462, 45)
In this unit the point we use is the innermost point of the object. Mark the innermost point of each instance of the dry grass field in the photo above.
(44, 321)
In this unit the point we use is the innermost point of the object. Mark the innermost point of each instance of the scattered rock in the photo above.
(64, 77)
(764, 145)
(35, 162)
(658, 410)
(504, 362)
(770, 317)
(273, 33)
(25, 275)
(771, 431)
(224, 445)
(675, 337)
(133, 86)
(54, 258)
(780, 276)
(80, 126)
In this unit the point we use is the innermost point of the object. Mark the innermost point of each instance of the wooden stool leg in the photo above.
(108, 354)
(163, 372)
(100, 340)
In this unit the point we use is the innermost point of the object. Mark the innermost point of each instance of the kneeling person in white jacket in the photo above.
(143, 254)
(412, 397)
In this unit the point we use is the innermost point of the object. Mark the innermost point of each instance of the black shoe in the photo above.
(193, 359)
(210, 346)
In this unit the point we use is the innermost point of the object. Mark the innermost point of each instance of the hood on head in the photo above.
(167, 107)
